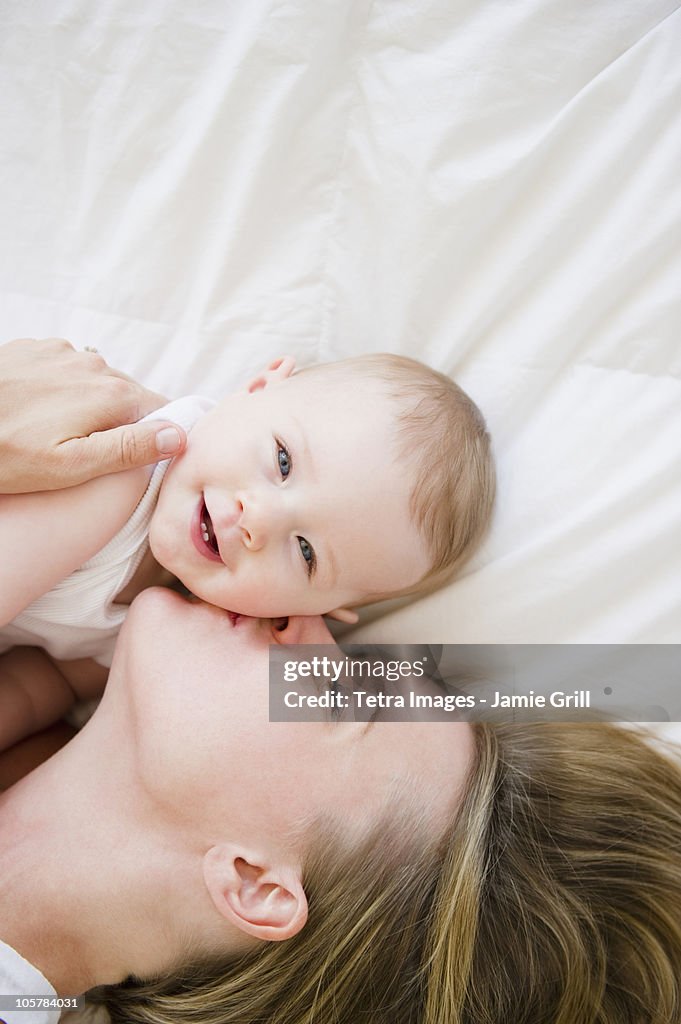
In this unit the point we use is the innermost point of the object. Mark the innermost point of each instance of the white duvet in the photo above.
(493, 187)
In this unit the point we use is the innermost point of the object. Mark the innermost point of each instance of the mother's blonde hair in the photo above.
(555, 896)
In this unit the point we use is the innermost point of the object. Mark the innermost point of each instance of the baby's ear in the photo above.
(278, 369)
(344, 615)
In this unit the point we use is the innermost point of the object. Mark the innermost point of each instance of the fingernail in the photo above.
(168, 441)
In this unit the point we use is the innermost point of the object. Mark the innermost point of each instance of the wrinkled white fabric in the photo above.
(19, 977)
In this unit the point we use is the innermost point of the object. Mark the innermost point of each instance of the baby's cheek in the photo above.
(226, 593)
(263, 598)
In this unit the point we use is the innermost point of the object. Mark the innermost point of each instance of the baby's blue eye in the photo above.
(284, 460)
(308, 554)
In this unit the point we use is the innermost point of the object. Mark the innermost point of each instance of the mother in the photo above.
(416, 871)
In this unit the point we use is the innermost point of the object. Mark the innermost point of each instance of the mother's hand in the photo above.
(67, 417)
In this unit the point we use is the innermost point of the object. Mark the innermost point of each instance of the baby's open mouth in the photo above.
(207, 531)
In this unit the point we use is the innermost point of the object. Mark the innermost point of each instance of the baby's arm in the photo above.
(33, 694)
(45, 536)
(23, 757)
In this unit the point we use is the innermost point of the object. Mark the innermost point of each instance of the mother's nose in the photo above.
(303, 629)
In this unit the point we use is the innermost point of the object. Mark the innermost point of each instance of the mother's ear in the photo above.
(264, 900)
(278, 369)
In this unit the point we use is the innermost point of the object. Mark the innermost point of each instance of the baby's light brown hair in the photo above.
(444, 438)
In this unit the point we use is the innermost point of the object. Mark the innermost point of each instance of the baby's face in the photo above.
(290, 500)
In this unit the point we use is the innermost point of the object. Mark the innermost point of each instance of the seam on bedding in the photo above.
(328, 300)
(551, 124)
(69, 307)
(653, 28)
(554, 124)
(589, 364)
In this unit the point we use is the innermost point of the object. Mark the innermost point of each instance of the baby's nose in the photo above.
(256, 521)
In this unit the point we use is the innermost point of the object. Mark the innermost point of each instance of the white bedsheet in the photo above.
(493, 187)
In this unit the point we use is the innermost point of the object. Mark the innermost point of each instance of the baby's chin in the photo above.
(162, 552)
(183, 590)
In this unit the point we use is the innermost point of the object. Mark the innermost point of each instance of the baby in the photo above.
(302, 494)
